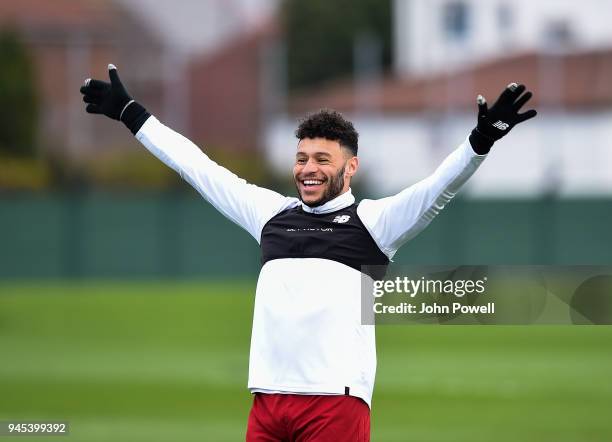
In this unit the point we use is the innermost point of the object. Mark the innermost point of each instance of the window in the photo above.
(558, 34)
(455, 16)
(504, 17)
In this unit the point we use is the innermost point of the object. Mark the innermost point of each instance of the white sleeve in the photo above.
(396, 219)
(247, 205)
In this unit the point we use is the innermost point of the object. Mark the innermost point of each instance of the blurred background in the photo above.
(125, 299)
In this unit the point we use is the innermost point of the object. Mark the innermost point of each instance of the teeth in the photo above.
(310, 182)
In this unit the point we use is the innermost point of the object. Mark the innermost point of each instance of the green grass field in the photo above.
(166, 361)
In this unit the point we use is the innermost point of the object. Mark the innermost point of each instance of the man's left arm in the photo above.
(396, 219)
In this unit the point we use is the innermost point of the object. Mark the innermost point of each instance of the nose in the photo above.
(309, 168)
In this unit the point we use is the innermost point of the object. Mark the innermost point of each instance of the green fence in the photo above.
(152, 235)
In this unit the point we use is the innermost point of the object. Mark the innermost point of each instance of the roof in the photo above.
(56, 13)
(575, 80)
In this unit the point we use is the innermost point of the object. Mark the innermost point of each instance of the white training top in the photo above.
(307, 334)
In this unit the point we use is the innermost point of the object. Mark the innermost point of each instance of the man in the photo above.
(312, 362)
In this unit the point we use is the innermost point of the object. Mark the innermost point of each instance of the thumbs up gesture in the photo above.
(110, 99)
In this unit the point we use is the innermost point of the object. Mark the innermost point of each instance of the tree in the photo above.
(18, 98)
(321, 34)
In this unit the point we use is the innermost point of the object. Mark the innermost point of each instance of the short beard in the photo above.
(336, 184)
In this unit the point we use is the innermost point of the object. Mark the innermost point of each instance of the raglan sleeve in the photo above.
(394, 220)
(245, 204)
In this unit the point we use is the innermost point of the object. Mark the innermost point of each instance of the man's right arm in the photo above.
(247, 205)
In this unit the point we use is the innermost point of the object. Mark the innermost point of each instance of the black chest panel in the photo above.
(339, 236)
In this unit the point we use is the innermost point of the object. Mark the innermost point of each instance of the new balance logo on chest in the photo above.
(341, 219)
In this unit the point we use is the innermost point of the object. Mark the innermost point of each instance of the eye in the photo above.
(300, 161)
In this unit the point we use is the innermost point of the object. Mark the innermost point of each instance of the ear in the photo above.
(351, 167)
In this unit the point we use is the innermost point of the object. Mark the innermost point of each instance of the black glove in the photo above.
(112, 100)
(497, 121)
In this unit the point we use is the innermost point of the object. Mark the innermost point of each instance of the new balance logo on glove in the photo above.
(501, 125)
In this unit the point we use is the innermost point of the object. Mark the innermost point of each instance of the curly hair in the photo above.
(331, 125)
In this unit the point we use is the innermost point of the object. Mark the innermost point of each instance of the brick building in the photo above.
(69, 41)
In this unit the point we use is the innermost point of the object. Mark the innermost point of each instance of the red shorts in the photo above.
(308, 418)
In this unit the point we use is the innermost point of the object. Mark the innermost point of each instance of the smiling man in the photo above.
(326, 157)
(312, 363)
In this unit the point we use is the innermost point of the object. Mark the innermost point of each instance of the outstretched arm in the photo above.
(245, 204)
(394, 220)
